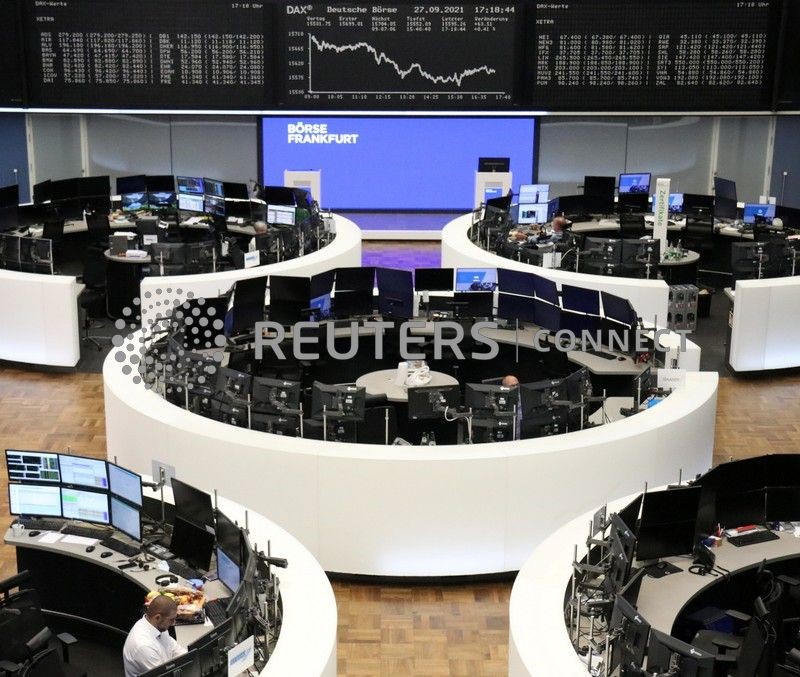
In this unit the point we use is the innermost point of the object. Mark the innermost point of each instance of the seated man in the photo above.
(148, 644)
(555, 232)
(261, 229)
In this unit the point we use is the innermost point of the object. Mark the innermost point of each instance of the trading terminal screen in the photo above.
(147, 54)
(10, 57)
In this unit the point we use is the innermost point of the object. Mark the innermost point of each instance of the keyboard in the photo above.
(752, 538)
(86, 532)
(216, 610)
(183, 571)
(42, 524)
(120, 546)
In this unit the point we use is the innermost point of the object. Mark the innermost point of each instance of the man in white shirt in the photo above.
(148, 644)
(260, 227)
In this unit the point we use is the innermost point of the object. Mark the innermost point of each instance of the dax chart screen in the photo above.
(369, 56)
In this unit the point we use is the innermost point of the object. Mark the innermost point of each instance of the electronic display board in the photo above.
(399, 55)
(598, 55)
(148, 54)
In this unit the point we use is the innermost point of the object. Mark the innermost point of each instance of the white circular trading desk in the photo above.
(343, 252)
(414, 511)
(381, 382)
(307, 641)
(649, 297)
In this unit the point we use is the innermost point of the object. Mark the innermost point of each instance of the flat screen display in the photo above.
(34, 500)
(532, 213)
(758, 213)
(32, 466)
(228, 571)
(190, 184)
(87, 506)
(395, 163)
(534, 193)
(125, 483)
(634, 183)
(476, 279)
(84, 472)
(126, 518)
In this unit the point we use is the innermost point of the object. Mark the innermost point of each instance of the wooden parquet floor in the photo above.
(383, 630)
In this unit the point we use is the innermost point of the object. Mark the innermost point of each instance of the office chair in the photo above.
(745, 656)
(46, 662)
(699, 234)
(631, 225)
(379, 426)
(92, 299)
(99, 227)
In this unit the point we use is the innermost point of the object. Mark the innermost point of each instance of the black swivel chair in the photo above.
(92, 299)
(631, 225)
(99, 227)
(699, 235)
(45, 661)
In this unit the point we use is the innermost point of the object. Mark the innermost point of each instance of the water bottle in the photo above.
(424, 440)
(432, 440)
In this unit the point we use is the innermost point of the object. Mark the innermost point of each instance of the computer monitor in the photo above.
(34, 500)
(675, 203)
(235, 191)
(531, 213)
(277, 195)
(125, 483)
(82, 471)
(132, 202)
(516, 308)
(126, 518)
(498, 399)
(758, 213)
(32, 466)
(352, 304)
(725, 188)
(228, 571)
(497, 203)
(281, 215)
(668, 655)
(669, 522)
(744, 507)
(640, 252)
(534, 193)
(192, 504)
(227, 536)
(182, 666)
(630, 591)
(160, 183)
(94, 186)
(213, 187)
(355, 279)
(131, 184)
(580, 299)
(476, 279)
(192, 543)
(633, 631)
(9, 196)
(699, 205)
(618, 309)
(87, 506)
(190, 203)
(233, 383)
(783, 504)
(430, 402)
(64, 189)
(42, 192)
(433, 279)
(248, 305)
(547, 316)
(634, 183)
(214, 205)
(633, 203)
(211, 648)
(162, 201)
(341, 401)
(516, 282)
(274, 396)
(598, 194)
(494, 164)
(395, 293)
(288, 298)
(192, 185)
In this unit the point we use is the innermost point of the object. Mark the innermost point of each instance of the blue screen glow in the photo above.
(395, 163)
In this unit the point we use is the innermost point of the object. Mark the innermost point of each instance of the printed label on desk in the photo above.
(241, 657)
(149, 239)
(671, 378)
(252, 259)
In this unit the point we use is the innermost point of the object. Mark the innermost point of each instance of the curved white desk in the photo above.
(765, 324)
(381, 382)
(649, 297)
(415, 511)
(39, 318)
(309, 606)
(343, 252)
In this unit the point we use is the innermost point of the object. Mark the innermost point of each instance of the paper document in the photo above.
(51, 537)
(80, 540)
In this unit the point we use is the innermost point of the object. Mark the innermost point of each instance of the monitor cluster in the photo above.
(74, 487)
(658, 525)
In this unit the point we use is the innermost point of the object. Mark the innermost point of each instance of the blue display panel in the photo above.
(395, 163)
